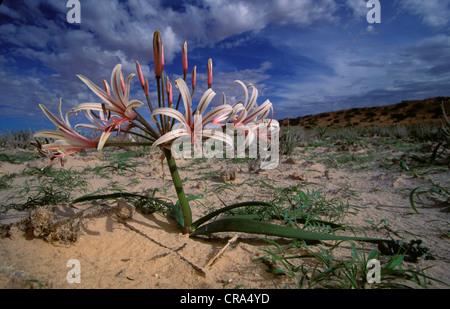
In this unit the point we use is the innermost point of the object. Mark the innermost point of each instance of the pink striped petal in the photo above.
(205, 100)
(187, 100)
(108, 99)
(258, 111)
(169, 136)
(170, 112)
(218, 111)
(245, 91)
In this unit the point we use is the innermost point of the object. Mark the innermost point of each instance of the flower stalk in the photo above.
(184, 205)
(210, 73)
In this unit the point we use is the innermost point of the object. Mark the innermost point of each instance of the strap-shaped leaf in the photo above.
(245, 225)
(228, 208)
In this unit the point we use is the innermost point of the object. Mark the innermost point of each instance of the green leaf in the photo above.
(225, 209)
(374, 254)
(244, 225)
(411, 199)
(85, 198)
(395, 261)
(300, 219)
(175, 210)
(404, 165)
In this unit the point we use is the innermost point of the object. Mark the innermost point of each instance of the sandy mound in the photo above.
(146, 251)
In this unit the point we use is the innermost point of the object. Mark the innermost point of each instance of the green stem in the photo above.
(151, 139)
(146, 125)
(185, 209)
(151, 109)
(160, 98)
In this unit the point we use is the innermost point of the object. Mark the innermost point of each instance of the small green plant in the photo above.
(5, 181)
(321, 131)
(17, 158)
(54, 185)
(291, 139)
(321, 269)
(439, 191)
(440, 154)
(43, 195)
(16, 139)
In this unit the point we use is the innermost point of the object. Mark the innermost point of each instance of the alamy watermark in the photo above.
(74, 14)
(374, 14)
(373, 271)
(257, 143)
(74, 275)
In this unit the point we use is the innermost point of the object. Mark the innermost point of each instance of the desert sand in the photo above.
(148, 251)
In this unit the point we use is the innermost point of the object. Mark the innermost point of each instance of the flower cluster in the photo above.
(117, 113)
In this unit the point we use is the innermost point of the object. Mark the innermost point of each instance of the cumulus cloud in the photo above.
(119, 32)
(370, 77)
(358, 7)
(433, 13)
(241, 16)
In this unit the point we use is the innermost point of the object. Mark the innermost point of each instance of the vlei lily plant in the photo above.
(117, 113)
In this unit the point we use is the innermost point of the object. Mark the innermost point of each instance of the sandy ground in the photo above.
(148, 251)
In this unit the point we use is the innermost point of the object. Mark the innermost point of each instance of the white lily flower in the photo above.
(250, 119)
(192, 124)
(120, 104)
(67, 140)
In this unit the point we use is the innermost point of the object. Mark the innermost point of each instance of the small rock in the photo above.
(399, 182)
(5, 231)
(297, 177)
(317, 167)
(124, 210)
(229, 174)
(200, 186)
(290, 161)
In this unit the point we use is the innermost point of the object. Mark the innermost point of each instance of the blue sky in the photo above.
(306, 56)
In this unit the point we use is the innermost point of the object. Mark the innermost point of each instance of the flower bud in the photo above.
(141, 76)
(194, 77)
(169, 92)
(167, 84)
(162, 57)
(185, 59)
(210, 73)
(146, 87)
(158, 57)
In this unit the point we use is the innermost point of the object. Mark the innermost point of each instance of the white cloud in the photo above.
(433, 13)
(359, 7)
(324, 62)
(222, 82)
(230, 18)
(114, 32)
(365, 75)
(114, 26)
(24, 88)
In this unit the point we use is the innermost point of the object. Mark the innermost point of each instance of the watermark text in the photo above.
(74, 275)
(74, 14)
(374, 14)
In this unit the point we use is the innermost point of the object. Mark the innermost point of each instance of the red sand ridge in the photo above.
(428, 111)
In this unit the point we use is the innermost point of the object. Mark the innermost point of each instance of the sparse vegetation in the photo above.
(325, 193)
(16, 139)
